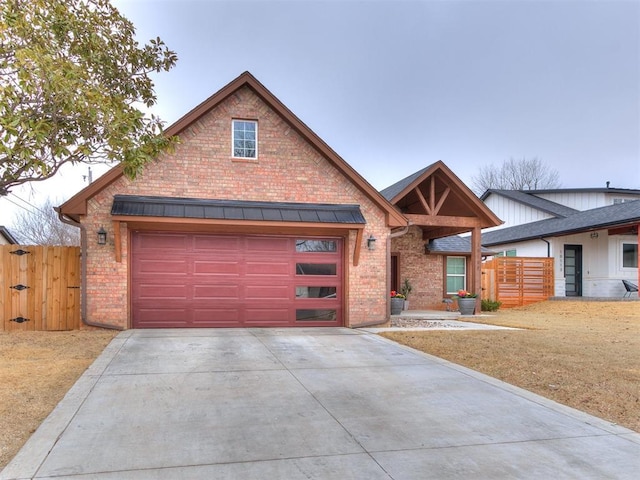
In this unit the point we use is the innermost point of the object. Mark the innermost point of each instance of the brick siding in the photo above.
(288, 169)
(425, 272)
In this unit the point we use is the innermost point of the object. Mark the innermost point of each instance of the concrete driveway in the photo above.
(308, 404)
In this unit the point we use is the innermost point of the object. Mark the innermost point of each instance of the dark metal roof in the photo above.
(130, 205)
(528, 198)
(604, 217)
(391, 191)
(6, 234)
(622, 191)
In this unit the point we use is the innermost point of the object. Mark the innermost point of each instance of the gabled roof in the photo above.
(527, 198)
(6, 234)
(627, 213)
(148, 206)
(393, 191)
(463, 197)
(77, 205)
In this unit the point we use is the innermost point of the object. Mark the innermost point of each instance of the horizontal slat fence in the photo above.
(517, 281)
(39, 288)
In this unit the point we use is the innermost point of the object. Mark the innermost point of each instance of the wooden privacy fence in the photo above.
(39, 288)
(517, 281)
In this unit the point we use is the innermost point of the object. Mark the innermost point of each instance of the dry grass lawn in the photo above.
(582, 354)
(36, 370)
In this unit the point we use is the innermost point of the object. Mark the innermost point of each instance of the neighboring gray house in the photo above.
(5, 237)
(591, 233)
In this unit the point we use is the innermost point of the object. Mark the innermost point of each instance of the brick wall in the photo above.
(288, 169)
(425, 272)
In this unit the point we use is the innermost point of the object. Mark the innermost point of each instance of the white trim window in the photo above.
(456, 274)
(245, 139)
(629, 255)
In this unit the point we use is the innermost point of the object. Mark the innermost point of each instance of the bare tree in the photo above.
(41, 226)
(516, 174)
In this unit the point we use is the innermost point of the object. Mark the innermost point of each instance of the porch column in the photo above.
(476, 263)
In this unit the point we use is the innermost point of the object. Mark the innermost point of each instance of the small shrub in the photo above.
(490, 305)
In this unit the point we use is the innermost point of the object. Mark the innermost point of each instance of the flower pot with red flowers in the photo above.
(466, 302)
(397, 302)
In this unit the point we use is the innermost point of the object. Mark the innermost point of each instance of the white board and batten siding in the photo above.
(512, 213)
(587, 200)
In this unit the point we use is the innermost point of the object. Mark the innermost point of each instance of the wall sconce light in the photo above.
(102, 236)
(371, 242)
(594, 235)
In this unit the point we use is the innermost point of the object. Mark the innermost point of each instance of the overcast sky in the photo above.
(393, 86)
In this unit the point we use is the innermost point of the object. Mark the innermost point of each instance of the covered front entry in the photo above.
(204, 280)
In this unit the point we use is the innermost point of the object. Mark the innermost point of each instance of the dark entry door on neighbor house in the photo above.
(573, 270)
(203, 280)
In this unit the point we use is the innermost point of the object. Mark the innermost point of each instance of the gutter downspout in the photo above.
(548, 246)
(83, 274)
(373, 323)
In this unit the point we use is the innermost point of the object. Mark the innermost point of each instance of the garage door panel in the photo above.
(165, 267)
(266, 268)
(164, 317)
(262, 315)
(205, 280)
(202, 267)
(225, 292)
(156, 291)
(216, 317)
(163, 241)
(257, 245)
(268, 292)
(219, 243)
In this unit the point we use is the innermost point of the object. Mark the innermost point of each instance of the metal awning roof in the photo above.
(148, 206)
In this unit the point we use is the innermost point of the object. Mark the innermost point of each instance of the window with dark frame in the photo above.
(629, 255)
(245, 139)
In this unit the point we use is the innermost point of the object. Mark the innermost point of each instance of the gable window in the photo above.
(245, 139)
(456, 274)
(629, 255)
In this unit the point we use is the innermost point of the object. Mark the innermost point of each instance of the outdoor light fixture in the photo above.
(102, 236)
(594, 235)
(371, 242)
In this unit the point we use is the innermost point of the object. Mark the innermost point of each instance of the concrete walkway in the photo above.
(308, 404)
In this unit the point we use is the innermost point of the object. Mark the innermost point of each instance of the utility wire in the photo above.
(17, 204)
(30, 204)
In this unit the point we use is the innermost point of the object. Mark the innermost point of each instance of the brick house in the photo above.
(428, 252)
(252, 221)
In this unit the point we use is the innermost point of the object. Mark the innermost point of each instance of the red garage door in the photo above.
(198, 280)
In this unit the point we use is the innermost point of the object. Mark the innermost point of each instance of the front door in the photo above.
(573, 270)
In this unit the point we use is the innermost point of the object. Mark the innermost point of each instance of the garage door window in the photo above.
(315, 315)
(316, 292)
(316, 268)
(316, 246)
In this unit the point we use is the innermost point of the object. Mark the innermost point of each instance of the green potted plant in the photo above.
(406, 290)
(466, 302)
(397, 302)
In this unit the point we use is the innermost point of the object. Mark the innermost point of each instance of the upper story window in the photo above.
(245, 139)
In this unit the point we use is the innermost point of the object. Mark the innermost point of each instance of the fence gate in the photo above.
(39, 288)
(517, 281)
